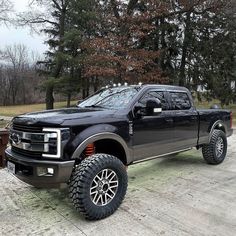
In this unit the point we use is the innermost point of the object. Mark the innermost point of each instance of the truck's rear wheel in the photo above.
(98, 185)
(214, 153)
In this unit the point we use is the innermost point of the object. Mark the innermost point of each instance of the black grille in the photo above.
(36, 155)
(26, 128)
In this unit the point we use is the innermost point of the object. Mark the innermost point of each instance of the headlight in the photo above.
(53, 139)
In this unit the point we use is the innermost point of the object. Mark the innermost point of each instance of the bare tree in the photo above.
(6, 8)
(18, 77)
(37, 16)
(16, 57)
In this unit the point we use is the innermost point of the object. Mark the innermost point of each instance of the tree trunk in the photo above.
(95, 84)
(182, 79)
(24, 92)
(14, 92)
(87, 87)
(83, 88)
(49, 97)
(235, 92)
(163, 43)
(68, 100)
(59, 65)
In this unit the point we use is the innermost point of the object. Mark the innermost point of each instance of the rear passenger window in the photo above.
(158, 95)
(180, 101)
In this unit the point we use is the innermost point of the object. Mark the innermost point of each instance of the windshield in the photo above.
(112, 98)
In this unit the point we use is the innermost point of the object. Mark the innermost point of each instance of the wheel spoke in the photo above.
(111, 197)
(94, 198)
(106, 198)
(93, 187)
(112, 173)
(104, 174)
(111, 176)
(98, 179)
(94, 191)
(99, 196)
(114, 186)
(112, 191)
(102, 200)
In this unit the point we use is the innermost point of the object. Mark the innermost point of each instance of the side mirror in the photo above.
(153, 106)
(139, 110)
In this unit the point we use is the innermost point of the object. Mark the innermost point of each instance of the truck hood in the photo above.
(61, 117)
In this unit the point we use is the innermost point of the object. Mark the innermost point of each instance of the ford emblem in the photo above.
(16, 139)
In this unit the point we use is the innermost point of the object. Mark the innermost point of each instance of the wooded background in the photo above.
(92, 43)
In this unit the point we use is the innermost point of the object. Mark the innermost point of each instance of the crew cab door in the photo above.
(185, 118)
(153, 135)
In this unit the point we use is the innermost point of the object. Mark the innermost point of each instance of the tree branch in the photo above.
(131, 6)
(57, 5)
(114, 8)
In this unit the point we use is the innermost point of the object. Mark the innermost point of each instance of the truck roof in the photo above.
(167, 87)
(160, 86)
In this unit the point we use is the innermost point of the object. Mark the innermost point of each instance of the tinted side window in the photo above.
(158, 95)
(180, 101)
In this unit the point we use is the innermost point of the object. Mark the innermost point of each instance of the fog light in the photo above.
(44, 171)
(50, 171)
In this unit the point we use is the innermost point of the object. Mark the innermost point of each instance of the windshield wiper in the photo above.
(94, 106)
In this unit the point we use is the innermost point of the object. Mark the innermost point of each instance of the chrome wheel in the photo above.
(104, 187)
(219, 147)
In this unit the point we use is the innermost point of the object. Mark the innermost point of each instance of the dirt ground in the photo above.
(169, 196)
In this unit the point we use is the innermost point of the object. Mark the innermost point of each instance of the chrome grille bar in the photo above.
(38, 142)
(28, 141)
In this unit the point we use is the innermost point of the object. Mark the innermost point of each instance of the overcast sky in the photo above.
(10, 35)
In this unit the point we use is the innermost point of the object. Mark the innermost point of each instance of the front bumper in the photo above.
(26, 170)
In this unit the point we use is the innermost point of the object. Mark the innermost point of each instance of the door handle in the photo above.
(169, 120)
(193, 118)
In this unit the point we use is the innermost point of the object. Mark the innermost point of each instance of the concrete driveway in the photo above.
(170, 196)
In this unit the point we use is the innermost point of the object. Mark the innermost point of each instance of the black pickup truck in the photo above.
(90, 146)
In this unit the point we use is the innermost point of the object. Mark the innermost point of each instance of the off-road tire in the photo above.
(209, 151)
(82, 179)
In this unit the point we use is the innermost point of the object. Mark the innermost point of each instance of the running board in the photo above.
(162, 155)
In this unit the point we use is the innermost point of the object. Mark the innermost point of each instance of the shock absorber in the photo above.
(90, 150)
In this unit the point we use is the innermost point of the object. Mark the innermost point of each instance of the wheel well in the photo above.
(111, 147)
(220, 127)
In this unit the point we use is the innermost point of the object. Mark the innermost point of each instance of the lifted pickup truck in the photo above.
(90, 146)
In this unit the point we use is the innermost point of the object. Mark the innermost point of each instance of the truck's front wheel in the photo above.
(214, 153)
(98, 186)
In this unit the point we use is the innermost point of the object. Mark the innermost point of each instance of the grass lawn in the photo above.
(3, 123)
(21, 109)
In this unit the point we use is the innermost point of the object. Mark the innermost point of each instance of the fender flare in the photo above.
(100, 136)
(219, 123)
